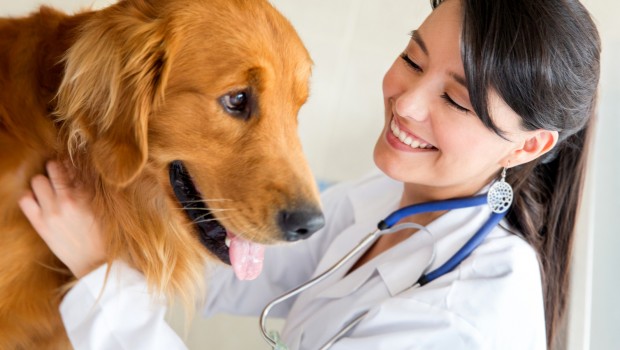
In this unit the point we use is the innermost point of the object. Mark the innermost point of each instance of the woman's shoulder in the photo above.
(506, 256)
(497, 290)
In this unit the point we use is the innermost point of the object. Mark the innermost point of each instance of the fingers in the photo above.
(29, 206)
(64, 220)
(58, 178)
(32, 211)
(43, 193)
(47, 191)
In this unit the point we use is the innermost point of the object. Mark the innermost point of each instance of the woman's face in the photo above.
(431, 136)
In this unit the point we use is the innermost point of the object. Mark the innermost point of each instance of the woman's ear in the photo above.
(535, 144)
(115, 76)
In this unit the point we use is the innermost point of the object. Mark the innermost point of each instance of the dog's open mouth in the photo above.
(245, 257)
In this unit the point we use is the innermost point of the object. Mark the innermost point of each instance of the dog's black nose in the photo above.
(300, 224)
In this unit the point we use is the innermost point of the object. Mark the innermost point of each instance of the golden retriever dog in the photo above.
(179, 115)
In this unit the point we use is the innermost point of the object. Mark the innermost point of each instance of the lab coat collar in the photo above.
(373, 199)
(401, 266)
(449, 233)
(403, 260)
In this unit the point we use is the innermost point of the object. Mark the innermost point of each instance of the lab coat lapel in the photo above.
(407, 265)
(342, 284)
(375, 207)
(399, 268)
(422, 253)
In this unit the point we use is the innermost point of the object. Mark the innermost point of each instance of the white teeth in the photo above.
(227, 241)
(402, 136)
(394, 127)
(407, 139)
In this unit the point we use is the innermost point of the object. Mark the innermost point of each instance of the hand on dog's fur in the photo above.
(61, 214)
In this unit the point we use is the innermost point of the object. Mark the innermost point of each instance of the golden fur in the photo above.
(121, 92)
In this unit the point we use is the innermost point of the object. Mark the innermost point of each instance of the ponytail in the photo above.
(544, 212)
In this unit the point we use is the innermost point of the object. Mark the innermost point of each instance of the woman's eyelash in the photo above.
(410, 63)
(445, 96)
(453, 104)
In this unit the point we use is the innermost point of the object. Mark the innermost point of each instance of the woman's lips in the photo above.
(403, 139)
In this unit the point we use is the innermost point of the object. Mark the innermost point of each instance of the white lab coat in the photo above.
(492, 300)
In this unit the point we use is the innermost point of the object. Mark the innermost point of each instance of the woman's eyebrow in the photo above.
(415, 36)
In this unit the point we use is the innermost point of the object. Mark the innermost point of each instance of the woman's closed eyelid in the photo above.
(453, 104)
(447, 99)
(410, 62)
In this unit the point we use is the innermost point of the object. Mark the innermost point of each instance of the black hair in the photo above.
(543, 59)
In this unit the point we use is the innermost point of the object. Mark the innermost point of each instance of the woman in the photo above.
(483, 86)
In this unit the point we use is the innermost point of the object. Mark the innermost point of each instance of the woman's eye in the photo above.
(450, 102)
(410, 62)
(236, 103)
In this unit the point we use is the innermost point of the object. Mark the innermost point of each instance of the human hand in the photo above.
(61, 214)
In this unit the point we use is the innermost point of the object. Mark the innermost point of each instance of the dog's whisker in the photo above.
(252, 231)
(207, 214)
(203, 221)
(207, 200)
(223, 209)
(208, 220)
(208, 209)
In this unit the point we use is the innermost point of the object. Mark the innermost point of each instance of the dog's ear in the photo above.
(115, 76)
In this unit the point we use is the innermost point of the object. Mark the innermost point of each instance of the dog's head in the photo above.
(207, 94)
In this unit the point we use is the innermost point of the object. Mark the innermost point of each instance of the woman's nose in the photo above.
(413, 103)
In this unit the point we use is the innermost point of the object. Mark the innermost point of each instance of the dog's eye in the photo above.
(237, 104)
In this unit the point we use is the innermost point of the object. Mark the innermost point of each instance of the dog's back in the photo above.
(29, 76)
(31, 49)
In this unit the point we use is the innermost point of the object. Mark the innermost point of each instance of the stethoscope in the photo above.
(386, 226)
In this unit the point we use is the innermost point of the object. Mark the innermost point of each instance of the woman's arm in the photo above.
(107, 308)
(61, 214)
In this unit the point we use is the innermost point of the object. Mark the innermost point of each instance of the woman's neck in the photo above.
(416, 193)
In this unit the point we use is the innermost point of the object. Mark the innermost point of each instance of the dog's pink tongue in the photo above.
(246, 258)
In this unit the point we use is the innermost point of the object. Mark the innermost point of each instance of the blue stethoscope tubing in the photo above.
(450, 204)
(383, 226)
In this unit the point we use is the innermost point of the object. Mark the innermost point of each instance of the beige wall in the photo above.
(602, 305)
(353, 42)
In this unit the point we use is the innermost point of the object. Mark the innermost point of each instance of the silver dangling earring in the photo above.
(499, 196)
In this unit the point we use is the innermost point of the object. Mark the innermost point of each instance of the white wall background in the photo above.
(605, 197)
(353, 42)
